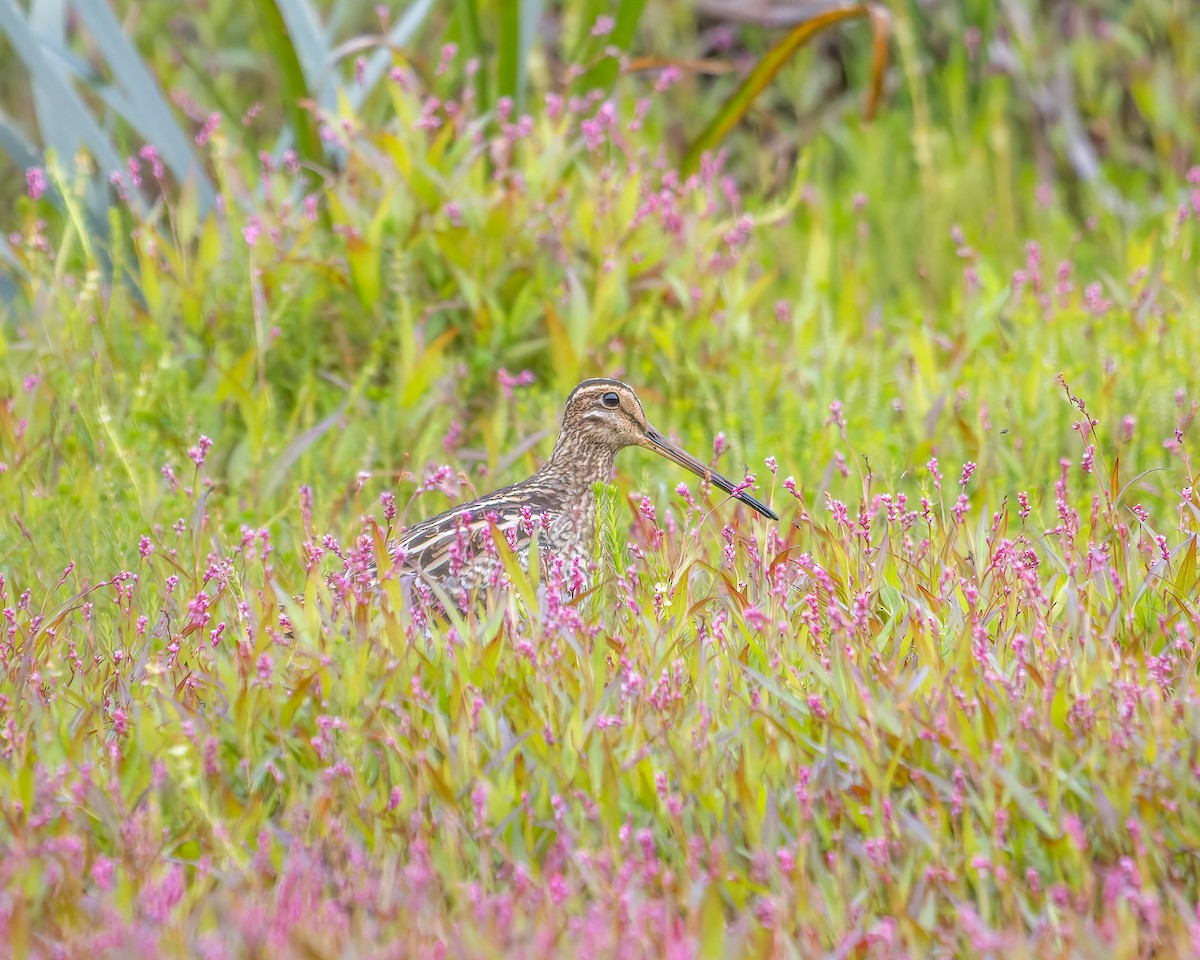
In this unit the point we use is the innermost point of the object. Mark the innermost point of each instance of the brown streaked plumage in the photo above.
(600, 419)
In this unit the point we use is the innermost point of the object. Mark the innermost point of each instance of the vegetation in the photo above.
(946, 706)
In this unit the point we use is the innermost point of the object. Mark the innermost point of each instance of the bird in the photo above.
(454, 551)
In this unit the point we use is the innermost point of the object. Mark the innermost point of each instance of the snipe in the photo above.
(557, 504)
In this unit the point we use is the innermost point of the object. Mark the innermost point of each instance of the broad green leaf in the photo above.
(470, 31)
(1185, 579)
(312, 48)
(518, 28)
(712, 922)
(293, 85)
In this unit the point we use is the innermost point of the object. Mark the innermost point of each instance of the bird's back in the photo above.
(456, 547)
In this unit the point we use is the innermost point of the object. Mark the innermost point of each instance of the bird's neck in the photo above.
(577, 465)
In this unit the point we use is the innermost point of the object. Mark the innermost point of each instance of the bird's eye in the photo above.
(611, 400)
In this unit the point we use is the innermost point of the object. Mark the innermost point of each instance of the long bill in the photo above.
(659, 445)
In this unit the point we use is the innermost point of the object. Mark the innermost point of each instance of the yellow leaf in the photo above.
(1185, 580)
(712, 923)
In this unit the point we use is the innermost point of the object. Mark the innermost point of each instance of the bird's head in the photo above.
(607, 414)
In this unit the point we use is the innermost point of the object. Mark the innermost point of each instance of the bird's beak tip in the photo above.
(759, 507)
(654, 440)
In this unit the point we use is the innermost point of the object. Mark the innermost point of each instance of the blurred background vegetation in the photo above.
(1089, 86)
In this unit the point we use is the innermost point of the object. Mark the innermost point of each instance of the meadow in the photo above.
(946, 706)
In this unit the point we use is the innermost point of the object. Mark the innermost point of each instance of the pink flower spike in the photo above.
(209, 128)
(667, 79)
(199, 452)
(508, 381)
(35, 182)
(252, 231)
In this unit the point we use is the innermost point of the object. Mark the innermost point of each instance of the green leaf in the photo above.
(293, 85)
(518, 28)
(296, 449)
(712, 923)
(508, 59)
(466, 16)
(1185, 579)
(311, 47)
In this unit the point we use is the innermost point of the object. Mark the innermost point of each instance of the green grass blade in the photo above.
(313, 51)
(775, 60)
(294, 89)
(278, 471)
(466, 16)
(508, 59)
(518, 28)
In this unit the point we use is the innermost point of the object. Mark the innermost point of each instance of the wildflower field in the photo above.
(933, 283)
